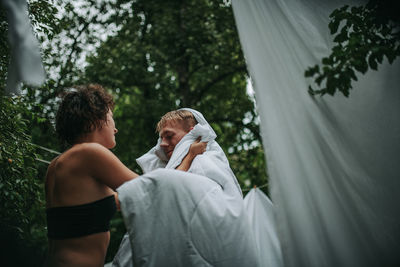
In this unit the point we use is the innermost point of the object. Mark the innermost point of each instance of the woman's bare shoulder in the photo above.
(89, 155)
(82, 151)
(75, 157)
(96, 161)
(88, 148)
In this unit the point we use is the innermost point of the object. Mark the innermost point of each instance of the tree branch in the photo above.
(203, 90)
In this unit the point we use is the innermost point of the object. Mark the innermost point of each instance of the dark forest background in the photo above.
(153, 56)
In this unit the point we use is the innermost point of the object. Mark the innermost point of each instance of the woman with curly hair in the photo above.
(80, 183)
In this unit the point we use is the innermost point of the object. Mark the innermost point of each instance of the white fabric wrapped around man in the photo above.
(194, 218)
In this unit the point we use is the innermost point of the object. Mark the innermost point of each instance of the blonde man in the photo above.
(172, 127)
(194, 218)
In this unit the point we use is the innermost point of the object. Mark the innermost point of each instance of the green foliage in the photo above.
(168, 55)
(364, 37)
(117, 231)
(4, 49)
(23, 223)
(153, 56)
(21, 192)
(42, 14)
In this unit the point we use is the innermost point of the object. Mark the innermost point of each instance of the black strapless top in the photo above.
(80, 220)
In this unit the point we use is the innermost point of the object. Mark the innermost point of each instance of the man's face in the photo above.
(170, 135)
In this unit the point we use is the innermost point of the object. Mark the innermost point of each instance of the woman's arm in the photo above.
(103, 165)
(195, 149)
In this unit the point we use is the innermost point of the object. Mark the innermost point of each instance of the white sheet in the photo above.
(261, 213)
(25, 63)
(333, 161)
(177, 218)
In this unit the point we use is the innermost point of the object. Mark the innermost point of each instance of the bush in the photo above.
(23, 233)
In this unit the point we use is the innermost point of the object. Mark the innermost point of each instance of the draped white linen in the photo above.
(194, 218)
(333, 161)
(260, 211)
(25, 64)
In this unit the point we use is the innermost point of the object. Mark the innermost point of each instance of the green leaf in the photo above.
(326, 61)
(379, 56)
(391, 56)
(319, 79)
(352, 74)
(361, 66)
(372, 63)
(331, 84)
(311, 91)
(341, 37)
(333, 26)
(309, 72)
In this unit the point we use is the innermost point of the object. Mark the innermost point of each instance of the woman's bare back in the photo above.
(69, 182)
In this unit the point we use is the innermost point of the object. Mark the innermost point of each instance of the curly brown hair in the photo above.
(82, 111)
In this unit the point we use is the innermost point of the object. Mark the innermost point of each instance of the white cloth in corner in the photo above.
(261, 213)
(195, 218)
(25, 63)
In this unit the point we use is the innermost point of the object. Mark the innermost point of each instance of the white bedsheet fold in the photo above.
(194, 218)
(261, 213)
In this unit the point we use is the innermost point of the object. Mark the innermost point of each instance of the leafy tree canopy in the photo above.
(364, 37)
(173, 54)
(153, 56)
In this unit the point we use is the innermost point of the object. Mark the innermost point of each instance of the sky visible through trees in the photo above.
(153, 56)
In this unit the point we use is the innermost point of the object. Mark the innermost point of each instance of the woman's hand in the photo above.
(195, 149)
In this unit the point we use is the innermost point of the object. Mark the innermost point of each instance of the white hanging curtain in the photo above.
(333, 161)
(260, 211)
(25, 63)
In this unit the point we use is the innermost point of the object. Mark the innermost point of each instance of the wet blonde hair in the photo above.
(184, 117)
